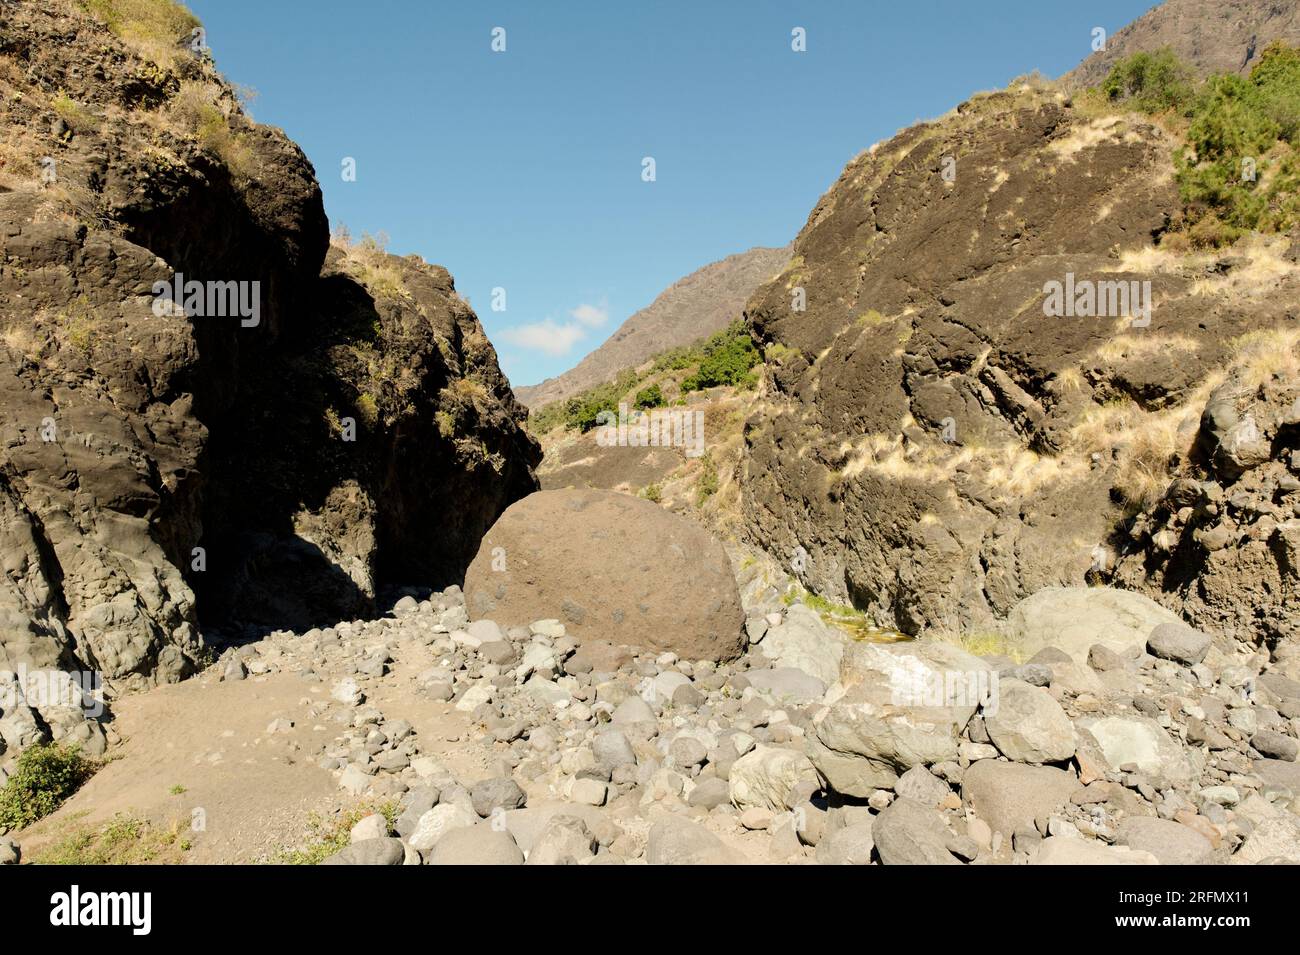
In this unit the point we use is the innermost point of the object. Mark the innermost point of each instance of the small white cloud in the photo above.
(544, 336)
(591, 315)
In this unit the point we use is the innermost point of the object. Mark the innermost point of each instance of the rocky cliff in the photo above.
(336, 423)
(1221, 543)
(690, 309)
(939, 441)
(1211, 36)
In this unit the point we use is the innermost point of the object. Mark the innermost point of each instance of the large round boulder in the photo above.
(610, 567)
(1073, 619)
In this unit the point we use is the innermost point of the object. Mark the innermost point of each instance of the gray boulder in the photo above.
(565, 840)
(370, 852)
(1275, 745)
(923, 786)
(1073, 619)
(437, 822)
(847, 845)
(1276, 838)
(1063, 850)
(1179, 642)
(766, 776)
(900, 707)
(560, 542)
(612, 749)
(527, 825)
(499, 793)
(1140, 740)
(709, 793)
(1170, 842)
(908, 833)
(1277, 773)
(476, 845)
(677, 841)
(1028, 725)
(1010, 796)
(804, 642)
(787, 684)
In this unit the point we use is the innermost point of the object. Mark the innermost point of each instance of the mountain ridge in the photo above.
(1222, 37)
(693, 307)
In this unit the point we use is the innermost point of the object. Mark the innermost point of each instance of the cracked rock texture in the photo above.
(932, 446)
(159, 471)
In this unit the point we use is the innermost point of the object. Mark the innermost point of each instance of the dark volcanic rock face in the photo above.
(158, 469)
(1222, 543)
(438, 452)
(934, 446)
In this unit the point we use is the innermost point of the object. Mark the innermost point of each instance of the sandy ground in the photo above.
(255, 792)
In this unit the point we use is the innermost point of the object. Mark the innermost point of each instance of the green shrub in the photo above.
(650, 397)
(72, 112)
(1150, 82)
(728, 358)
(708, 484)
(675, 359)
(1240, 170)
(582, 411)
(543, 419)
(46, 775)
(724, 359)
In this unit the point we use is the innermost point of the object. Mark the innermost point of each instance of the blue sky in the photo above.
(522, 170)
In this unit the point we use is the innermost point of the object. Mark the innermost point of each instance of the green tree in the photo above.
(1152, 82)
(728, 358)
(650, 397)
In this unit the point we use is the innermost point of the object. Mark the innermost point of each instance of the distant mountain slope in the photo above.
(1214, 36)
(691, 308)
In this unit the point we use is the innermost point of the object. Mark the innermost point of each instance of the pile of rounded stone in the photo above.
(1151, 744)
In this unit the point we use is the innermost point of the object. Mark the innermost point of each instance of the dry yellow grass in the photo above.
(366, 261)
(17, 166)
(1009, 468)
(1152, 259)
(984, 643)
(1144, 444)
(1014, 471)
(1131, 347)
(21, 339)
(208, 113)
(1267, 353)
(469, 389)
(1265, 267)
(1086, 136)
(1146, 460)
(153, 28)
(1067, 381)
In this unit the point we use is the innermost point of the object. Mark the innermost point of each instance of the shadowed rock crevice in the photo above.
(185, 468)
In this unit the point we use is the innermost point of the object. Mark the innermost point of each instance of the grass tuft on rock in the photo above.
(329, 837)
(155, 27)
